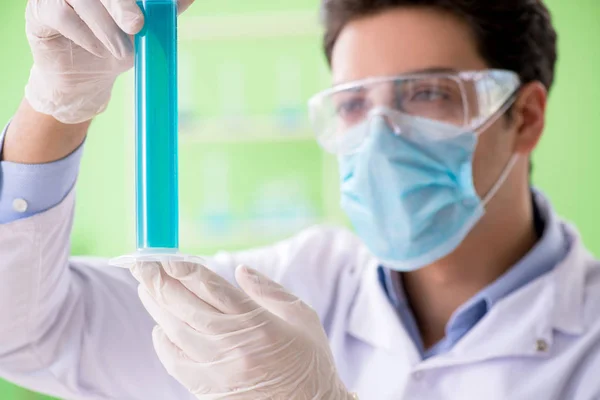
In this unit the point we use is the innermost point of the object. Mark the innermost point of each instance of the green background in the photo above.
(250, 172)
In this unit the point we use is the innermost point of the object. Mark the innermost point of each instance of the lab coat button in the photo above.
(20, 205)
(418, 375)
(541, 345)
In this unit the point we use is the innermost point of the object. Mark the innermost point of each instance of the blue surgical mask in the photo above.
(410, 196)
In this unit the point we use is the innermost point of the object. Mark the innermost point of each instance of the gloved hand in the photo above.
(224, 343)
(79, 49)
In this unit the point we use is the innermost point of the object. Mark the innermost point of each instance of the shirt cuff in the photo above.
(30, 189)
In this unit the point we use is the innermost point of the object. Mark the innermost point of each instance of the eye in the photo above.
(351, 107)
(429, 95)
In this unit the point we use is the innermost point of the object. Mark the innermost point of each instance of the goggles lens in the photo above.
(465, 100)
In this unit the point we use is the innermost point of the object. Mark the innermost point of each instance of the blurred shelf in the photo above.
(232, 139)
(255, 129)
(202, 244)
(250, 26)
(194, 238)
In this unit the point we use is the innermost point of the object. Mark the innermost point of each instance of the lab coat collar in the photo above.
(521, 324)
(374, 320)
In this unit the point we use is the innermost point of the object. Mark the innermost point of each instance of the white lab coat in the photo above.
(75, 328)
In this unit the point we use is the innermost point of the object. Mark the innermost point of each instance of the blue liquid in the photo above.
(156, 126)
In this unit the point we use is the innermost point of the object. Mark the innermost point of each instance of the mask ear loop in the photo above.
(512, 161)
(505, 172)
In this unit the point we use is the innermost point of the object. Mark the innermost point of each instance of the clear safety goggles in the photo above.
(465, 100)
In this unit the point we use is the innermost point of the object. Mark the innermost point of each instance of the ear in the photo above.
(529, 115)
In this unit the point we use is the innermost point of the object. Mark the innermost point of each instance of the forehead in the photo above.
(404, 40)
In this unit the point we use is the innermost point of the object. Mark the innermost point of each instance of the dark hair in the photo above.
(516, 35)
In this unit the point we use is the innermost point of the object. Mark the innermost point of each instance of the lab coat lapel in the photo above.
(570, 282)
(373, 319)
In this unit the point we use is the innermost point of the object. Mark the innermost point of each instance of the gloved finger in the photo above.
(185, 305)
(59, 16)
(169, 292)
(210, 287)
(274, 297)
(127, 14)
(198, 347)
(97, 18)
(183, 5)
(229, 375)
(178, 364)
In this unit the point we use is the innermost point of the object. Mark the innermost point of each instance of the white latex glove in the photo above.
(224, 343)
(79, 49)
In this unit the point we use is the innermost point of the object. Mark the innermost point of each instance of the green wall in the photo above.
(566, 163)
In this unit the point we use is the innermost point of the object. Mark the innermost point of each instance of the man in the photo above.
(464, 283)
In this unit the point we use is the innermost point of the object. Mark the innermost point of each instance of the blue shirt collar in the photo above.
(548, 251)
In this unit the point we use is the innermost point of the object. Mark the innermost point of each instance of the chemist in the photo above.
(460, 283)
